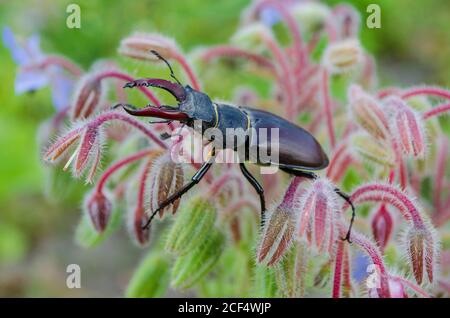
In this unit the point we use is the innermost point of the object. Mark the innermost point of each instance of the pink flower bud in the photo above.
(57, 149)
(99, 208)
(139, 220)
(319, 209)
(165, 178)
(421, 251)
(277, 235)
(407, 127)
(382, 225)
(368, 113)
(88, 152)
(88, 96)
(278, 231)
(140, 45)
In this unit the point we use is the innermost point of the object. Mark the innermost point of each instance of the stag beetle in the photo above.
(299, 152)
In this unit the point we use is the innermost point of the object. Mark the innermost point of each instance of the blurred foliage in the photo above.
(413, 39)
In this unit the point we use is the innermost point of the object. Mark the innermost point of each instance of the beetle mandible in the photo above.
(299, 152)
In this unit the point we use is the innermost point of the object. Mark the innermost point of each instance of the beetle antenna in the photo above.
(172, 74)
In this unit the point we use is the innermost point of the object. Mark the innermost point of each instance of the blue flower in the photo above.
(269, 16)
(31, 76)
(360, 266)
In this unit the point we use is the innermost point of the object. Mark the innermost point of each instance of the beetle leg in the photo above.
(346, 197)
(195, 179)
(259, 189)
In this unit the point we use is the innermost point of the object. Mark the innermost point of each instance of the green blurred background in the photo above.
(36, 232)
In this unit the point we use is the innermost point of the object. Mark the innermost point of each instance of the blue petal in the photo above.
(360, 267)
(269, 16)
(29, 80)
(18, 53)
(61, 91)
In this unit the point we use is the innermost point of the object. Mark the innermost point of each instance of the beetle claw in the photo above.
(175, 89)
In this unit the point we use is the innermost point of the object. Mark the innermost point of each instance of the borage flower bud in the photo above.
(190, 268)
(140, 45)
(368, 112)
(365, 147)
(319, 210)
(164, 179)
(278, 231)
(310, 15)
(87, 154)
(252, 36)
(407, 127)
(140, 219)
(344, 56)
(151, 278)
(89, 95)
(192, 226)
(99, 208)
(421, 246)
(382, 225)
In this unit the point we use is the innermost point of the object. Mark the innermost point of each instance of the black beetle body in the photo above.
(299, 152)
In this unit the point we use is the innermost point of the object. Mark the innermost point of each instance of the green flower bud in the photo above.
(192, 226)
(291, 271)
(373, 151)
(264, 282)
(151, 279)
(190, 268)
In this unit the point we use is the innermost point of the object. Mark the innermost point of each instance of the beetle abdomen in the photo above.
(297, 147)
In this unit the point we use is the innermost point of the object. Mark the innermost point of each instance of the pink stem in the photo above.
(128, 78)
(374, 253)
(64, 63)
(382, 93)
(410, 285)
(338, 151)
(439, 110)
(327, 108)
(239, 205)
(363, 193)
(230, 51)
(285, 77)
(440, 172)
(219, 183)
(119, 164)
(114, 115)
(433, 91)
(188, 70)
(338, 270)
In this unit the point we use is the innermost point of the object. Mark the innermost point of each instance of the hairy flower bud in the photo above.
(310, 15)
(99, 208)
(190, 268)
(164, 179)
(367, 148)
(141, 234)
(151, 278)
(89, 151)
(89, 95)
(251, 36)
(279, 229)
(421, 248)
(368, 113)
(343, 56)
(319, 210)
(407, 127)
(382, 225)
(140, 45)
(192, 226)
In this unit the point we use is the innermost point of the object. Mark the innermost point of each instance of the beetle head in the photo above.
(192, 104)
